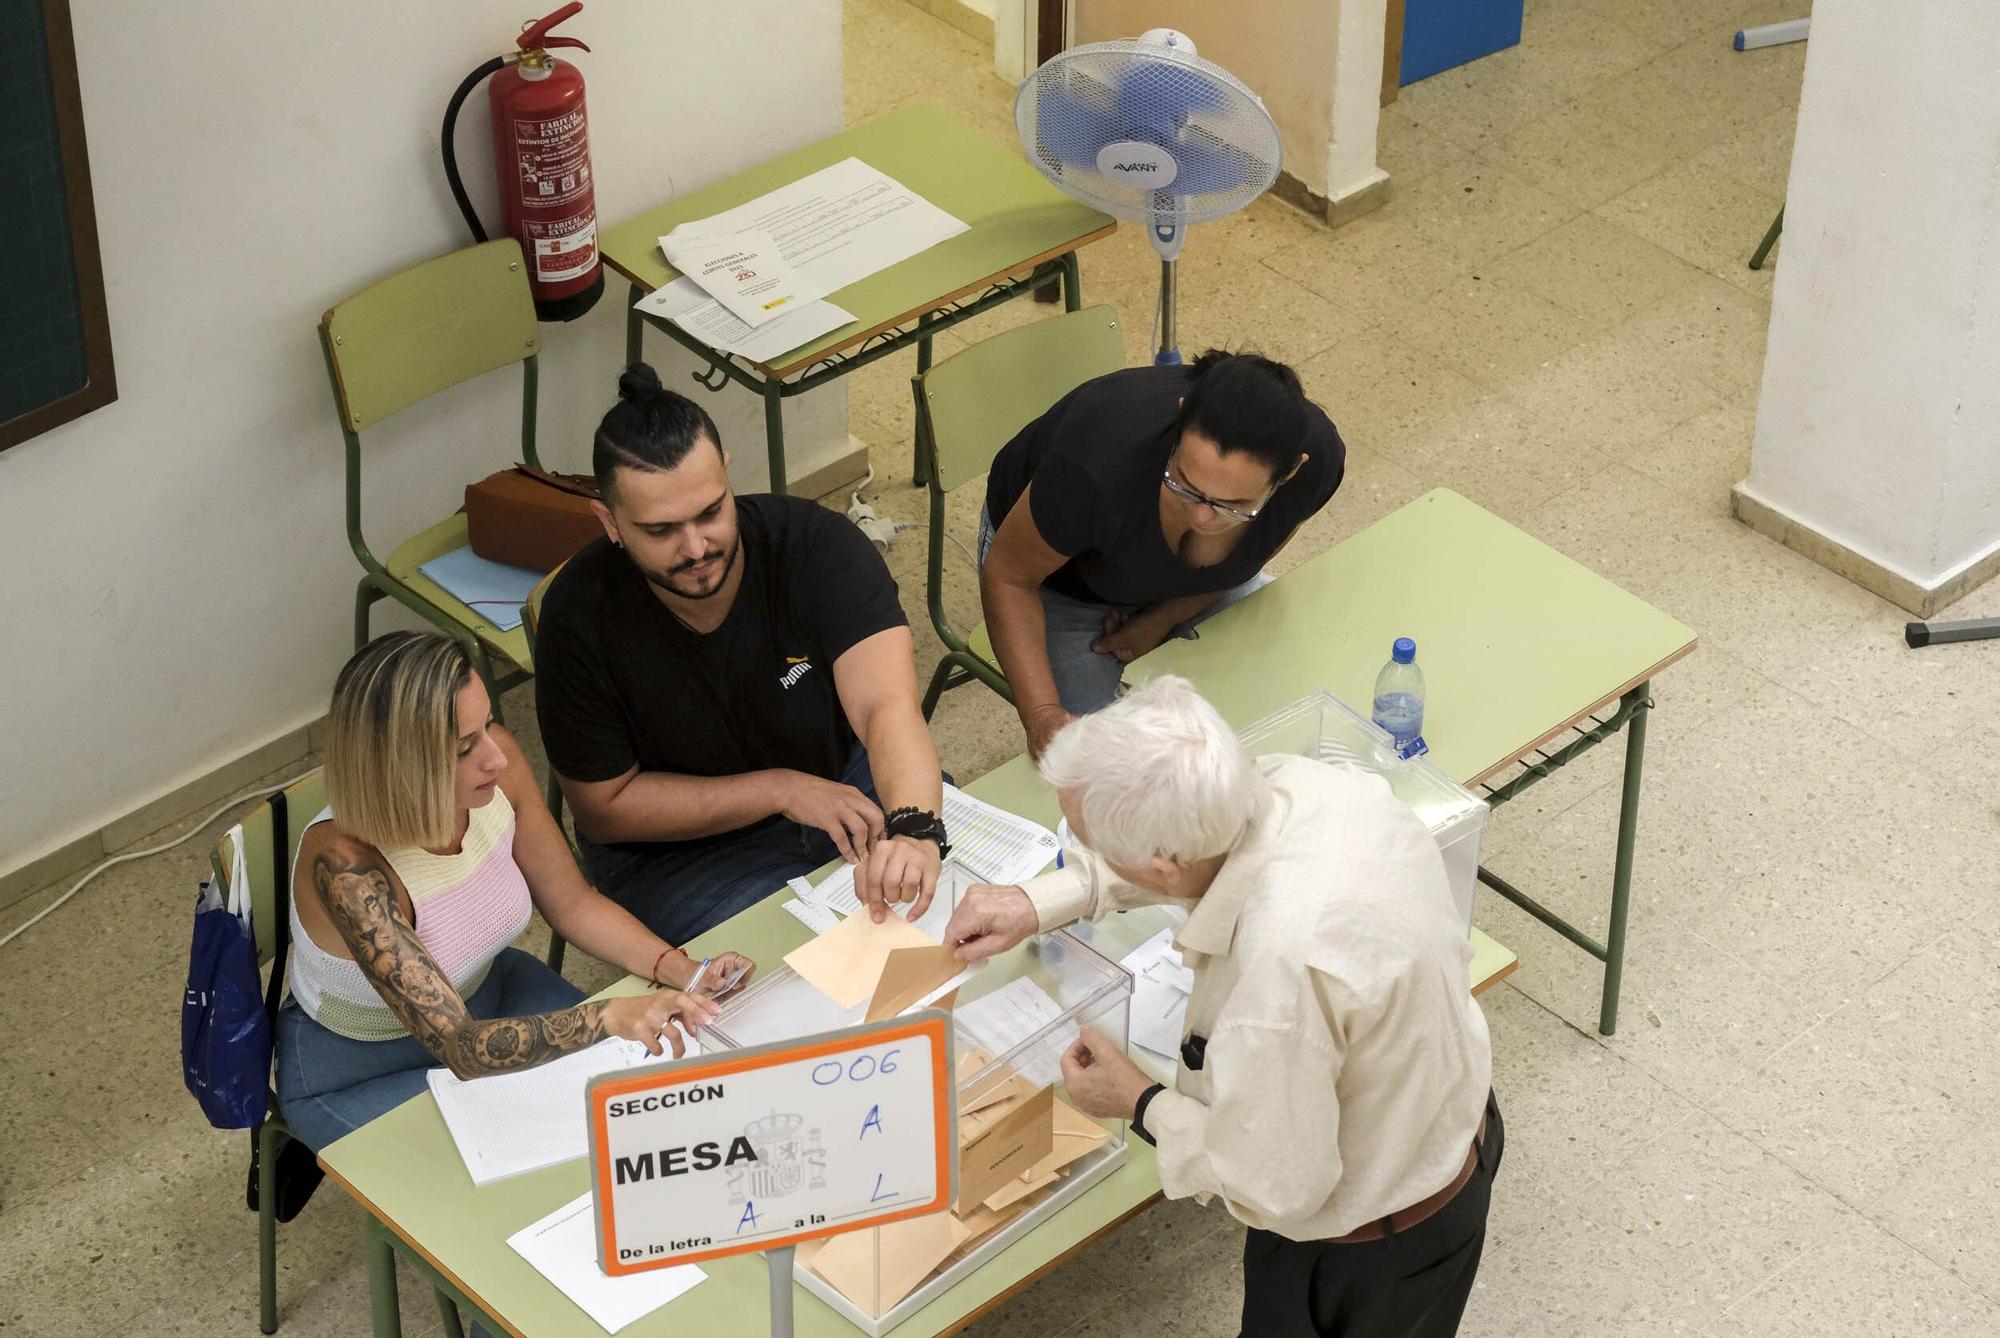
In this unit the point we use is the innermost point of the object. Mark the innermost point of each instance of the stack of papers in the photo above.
(512, 1123)
(1161, 984)
(832, 228)
(563, 1249)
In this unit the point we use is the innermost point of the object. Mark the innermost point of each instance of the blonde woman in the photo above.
(411, 885)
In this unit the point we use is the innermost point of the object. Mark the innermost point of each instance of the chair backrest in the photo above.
(972, 403)
(428, 328)
(531, 612)
(270, 896)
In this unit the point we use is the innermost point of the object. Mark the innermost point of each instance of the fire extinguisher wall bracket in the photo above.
(541, 159)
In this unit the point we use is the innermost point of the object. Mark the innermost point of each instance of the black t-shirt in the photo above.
(1096, 459)
(619, 680)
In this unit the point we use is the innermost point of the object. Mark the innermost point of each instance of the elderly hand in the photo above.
(1128, 636)
(990, 920)
(1102, 1079)
(898, 870)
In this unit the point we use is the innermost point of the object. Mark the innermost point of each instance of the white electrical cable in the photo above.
(77, 887)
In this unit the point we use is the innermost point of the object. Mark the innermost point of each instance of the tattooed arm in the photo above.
(353, 884)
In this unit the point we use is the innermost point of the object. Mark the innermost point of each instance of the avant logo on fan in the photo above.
(1138, 161)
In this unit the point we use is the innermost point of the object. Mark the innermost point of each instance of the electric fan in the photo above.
(1146, 130)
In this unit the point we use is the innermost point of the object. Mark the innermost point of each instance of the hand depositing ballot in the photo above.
(990, 920)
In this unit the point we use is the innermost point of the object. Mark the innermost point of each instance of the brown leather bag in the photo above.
(528, 517)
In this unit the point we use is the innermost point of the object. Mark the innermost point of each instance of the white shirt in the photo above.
(1347, 1063)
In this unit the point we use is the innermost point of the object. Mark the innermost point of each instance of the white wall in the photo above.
(1879, 425)
(178, 586)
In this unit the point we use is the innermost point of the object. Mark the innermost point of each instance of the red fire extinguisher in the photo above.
(541, 161)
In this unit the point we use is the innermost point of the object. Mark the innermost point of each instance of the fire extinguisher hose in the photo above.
(465, 87)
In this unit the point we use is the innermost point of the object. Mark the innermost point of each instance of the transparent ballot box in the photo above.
(1024, 1151)
(1324, 727)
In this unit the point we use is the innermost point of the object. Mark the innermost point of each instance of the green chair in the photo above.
(271, 922)
(531, 620)
(398, 341)
(968, 407)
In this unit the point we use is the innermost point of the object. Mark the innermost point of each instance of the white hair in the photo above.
(1156, 773)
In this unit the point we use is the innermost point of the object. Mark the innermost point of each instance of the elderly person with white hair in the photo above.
(1335, 1083)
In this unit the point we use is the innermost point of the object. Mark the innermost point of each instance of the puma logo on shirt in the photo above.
(800, 664)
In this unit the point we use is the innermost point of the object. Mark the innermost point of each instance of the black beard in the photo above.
(665, 582)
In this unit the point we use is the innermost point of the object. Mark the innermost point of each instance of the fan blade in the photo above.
(1075, 116)
(1209, 165)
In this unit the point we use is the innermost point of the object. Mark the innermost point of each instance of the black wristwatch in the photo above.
(920, 824)
(1139, 1110)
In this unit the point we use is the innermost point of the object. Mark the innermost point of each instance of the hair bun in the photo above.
(639, 382)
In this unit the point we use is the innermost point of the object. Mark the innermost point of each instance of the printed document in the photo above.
(834, 227)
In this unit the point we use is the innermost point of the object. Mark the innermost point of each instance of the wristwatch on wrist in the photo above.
(1139, 1110)
(918, 823)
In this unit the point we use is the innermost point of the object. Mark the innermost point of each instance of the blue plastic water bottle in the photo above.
(1399, 699)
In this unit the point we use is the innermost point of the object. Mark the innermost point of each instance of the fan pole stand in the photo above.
(1169, 354)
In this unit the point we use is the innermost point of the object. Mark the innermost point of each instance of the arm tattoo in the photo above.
(362, 903)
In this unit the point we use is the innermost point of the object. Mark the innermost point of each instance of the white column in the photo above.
(1878, 433)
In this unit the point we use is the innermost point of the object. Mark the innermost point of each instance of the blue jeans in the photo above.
(330, 1085)
(1088, 680)
(680, 889)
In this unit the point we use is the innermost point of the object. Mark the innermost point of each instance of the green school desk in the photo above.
(1024, 234)
(1522, 649)
(1529, 660)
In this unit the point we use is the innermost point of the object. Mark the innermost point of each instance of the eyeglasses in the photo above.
(1187, 494)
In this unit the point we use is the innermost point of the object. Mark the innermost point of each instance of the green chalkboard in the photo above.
(55, 341)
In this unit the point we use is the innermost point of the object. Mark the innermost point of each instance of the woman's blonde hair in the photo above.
(391, 748)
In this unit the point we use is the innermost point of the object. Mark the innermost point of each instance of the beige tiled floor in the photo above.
(1793, 1131)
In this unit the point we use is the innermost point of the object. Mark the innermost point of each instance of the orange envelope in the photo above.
(983, 1221)
(846, 961)
(908, 974)
(970, 1061)
(1075, 1134)
(1016, 1141)
(910, 1251)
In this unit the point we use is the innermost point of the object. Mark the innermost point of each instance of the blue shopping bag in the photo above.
(225, 1030)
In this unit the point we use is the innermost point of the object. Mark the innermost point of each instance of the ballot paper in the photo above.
(835, 227)
(563, 1249)
(510, 1123)
(1161, 984)
(741, 270)
(999, 1021)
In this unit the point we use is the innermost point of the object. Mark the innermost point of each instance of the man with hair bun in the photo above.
(727, 684)
(1141, 503)
(1335, 1084)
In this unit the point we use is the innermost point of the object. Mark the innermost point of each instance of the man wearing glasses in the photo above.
(1143, 502)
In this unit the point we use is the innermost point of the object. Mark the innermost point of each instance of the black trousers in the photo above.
(1410, 1285)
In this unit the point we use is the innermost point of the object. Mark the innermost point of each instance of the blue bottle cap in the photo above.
(1404, 651)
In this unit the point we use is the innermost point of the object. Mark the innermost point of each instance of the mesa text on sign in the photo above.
(765, 1147)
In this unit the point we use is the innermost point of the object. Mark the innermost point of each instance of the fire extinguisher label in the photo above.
(554, 158)
(565, 249)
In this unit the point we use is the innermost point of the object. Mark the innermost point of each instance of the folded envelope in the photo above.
(1016, 1141)
(983, 1221)
(912, 975)
(846, 962)
(1074, 1135)
(970, 1061)
(909, 1251)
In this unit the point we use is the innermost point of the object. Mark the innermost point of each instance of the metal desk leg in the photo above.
(1621, 877)
(774, 434)
(382, 1280)
(1072, 282)
(635, 326)
(919, 471)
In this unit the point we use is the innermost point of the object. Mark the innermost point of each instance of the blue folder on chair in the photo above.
(493, 590)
